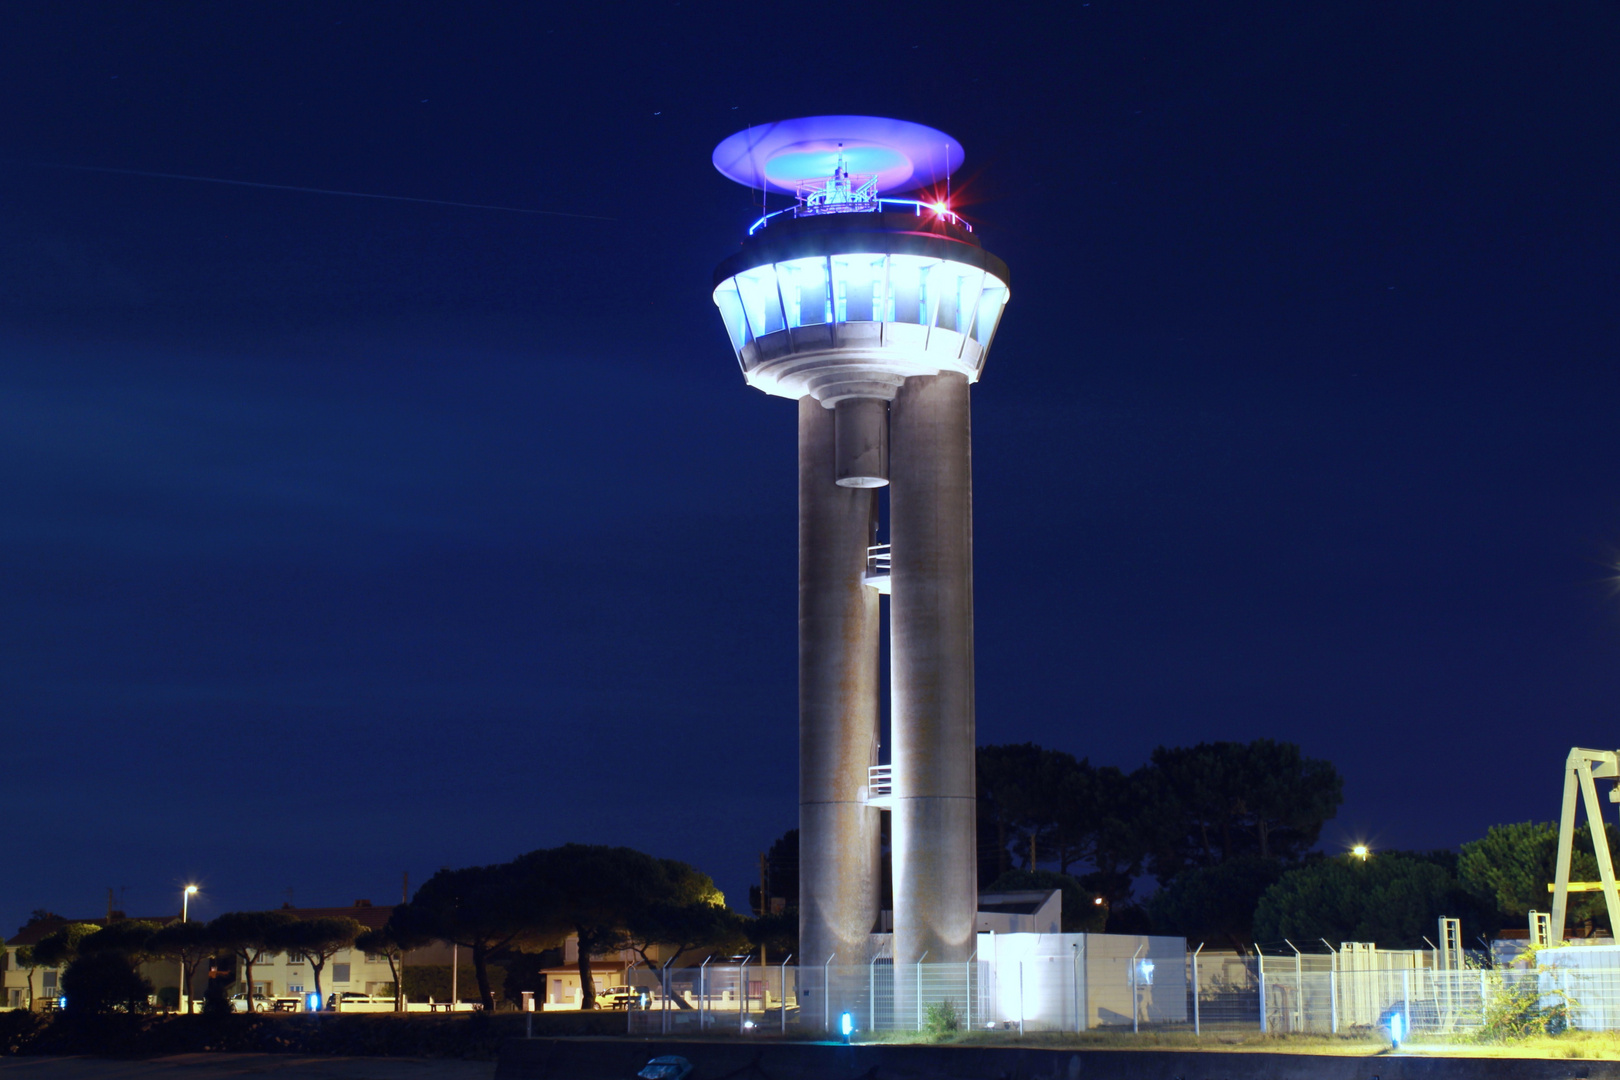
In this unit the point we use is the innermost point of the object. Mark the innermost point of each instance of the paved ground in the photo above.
(243, 1067)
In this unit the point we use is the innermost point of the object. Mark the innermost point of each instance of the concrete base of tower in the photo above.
(936, 896)
(838, 704)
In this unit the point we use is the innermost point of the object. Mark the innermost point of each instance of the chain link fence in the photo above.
(1067, 983)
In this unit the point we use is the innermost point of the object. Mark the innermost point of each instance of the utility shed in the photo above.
(1065, 981)
(1036, 911)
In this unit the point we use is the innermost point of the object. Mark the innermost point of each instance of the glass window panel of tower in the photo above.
(909, 288)
(958, 288)
(857, 287)
(729, 301)
(991, 302)
(804, 290)
(762, 304)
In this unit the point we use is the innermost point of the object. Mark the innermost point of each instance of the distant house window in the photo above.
(265, 957)
(295, 957)
(295, 988)
(340, 973)
(48, 980)
(376, 958)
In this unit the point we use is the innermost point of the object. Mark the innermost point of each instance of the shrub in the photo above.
(1522, 1008)
(103, 983)
(941, 1019)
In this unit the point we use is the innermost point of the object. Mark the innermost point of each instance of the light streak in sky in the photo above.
(317, 191)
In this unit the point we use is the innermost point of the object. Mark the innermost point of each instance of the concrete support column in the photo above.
(838, 704)
(931, 638)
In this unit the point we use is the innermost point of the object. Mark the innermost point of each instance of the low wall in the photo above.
(612, 1059)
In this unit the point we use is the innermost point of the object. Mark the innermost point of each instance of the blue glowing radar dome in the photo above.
(781, 156)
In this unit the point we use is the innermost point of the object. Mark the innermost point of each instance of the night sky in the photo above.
(344, 537)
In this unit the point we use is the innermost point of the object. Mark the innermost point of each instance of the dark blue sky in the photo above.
(345, 537)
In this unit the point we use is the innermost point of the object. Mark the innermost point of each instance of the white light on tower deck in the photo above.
(875, 313)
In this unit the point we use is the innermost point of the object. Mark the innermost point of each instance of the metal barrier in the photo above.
(1050, 991)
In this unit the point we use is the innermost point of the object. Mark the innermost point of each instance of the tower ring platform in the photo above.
(853, 305)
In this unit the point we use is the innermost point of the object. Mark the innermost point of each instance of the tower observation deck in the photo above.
(873, 305)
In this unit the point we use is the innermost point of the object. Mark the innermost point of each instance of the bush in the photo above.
(1517, 1012)
(102, 983)
(1522, 1009)
(941, 1019)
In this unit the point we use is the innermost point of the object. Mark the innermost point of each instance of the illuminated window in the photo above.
(804, 288)
(761, 303)
(991, 301)
(730, 304)
(857, 287)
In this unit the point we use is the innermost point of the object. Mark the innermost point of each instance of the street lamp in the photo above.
(1360, 852)
(185, 915)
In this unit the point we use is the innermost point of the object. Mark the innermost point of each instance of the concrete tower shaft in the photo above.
(838, 704)
(931, 536)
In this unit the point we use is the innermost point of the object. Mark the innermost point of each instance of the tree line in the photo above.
(1227, 832)
(100, 965)
(612, 898)
(1188, 809)
(1224, 835)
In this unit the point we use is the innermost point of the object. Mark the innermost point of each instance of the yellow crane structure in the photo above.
(1582, 770)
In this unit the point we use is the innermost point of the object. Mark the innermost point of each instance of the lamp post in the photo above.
(185, 916)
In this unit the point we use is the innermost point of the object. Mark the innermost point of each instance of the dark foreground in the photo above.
(612, 1059)
(241, 1066)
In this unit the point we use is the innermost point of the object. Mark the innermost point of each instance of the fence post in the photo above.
(703, 994)
(871, 993)
(1085, 984)
(742, 995)
(1260, 962)
(1333, 983)
(1333, 999)
(1020, 998)
(826, 993)
(1074, 979)
(663, 1014)
(1298, 1023)
(967, 985)
(1196, 1029)
(920, 959)
(1406, 1002)
(784, 993)
(1136, 1012)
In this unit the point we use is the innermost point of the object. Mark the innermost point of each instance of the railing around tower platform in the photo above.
(880, 786)
(877, 568)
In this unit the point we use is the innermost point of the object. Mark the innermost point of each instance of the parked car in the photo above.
(261, 1003)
